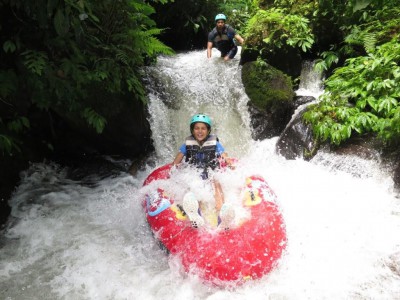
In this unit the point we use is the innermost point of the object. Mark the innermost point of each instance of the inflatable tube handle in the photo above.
(163, 205)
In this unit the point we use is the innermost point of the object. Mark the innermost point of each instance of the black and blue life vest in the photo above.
(202, 156)
(223, 41)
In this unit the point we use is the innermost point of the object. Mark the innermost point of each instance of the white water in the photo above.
(70, 240)
(311, 80)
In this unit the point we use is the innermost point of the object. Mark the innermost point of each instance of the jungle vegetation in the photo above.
(356, 43)
(54, 53)
(362, 95)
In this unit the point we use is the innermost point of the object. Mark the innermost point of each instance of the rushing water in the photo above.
(311, 80)
(88, 238)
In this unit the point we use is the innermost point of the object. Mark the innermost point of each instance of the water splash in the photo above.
(71, 240)
(311, 80)
(197, 84)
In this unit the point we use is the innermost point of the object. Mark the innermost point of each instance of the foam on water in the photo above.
(73, 242)
(70, 240)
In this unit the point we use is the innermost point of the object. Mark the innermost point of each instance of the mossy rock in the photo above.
(269, 89)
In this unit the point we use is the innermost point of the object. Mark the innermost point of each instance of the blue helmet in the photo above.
(220, 17)
(200, 118)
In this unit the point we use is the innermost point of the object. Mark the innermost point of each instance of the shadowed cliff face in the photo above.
(67, 139)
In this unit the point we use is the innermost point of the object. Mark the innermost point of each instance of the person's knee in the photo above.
(231, 55)
(232, 52)
(216, 183)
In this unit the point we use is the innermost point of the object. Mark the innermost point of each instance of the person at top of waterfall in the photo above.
(224, 38)
(203, 150)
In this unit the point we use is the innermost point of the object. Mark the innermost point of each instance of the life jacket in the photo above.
(203, 156)
(223, 41)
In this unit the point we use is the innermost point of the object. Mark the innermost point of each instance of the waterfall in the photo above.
(311, 80)
(184, 85)
(88, 239)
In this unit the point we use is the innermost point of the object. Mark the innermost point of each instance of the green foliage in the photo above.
(18, 124)
(94, 119)
(361, 97)
(186, 22)
(54, 53)
(328, 58)
(238, 12)
(305, 8)
(8, 144)
(9, 130)
(35, 61)
(364, 24)
(360, 39)
(9, 47)
(268, 88)
(274, 28)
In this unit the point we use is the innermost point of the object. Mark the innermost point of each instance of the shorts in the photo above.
(207, 174)
(231, 52)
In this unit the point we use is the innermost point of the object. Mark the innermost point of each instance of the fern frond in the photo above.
(94, 119)
(122, 57)
(157, 47)
(354, 37)
(35, 61)
(369, 42)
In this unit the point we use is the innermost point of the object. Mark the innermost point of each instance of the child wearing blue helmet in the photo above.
(203, 150)
(223, 37)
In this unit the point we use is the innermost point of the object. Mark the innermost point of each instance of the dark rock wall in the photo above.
(67, 139)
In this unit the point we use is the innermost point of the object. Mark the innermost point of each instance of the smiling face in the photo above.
(200, 131)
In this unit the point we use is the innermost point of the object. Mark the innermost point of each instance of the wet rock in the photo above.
(301, 100)
(391, 160)
(396, 176)
(287, 59)
(366, 147)
(271, 98)
(263, 125)
(394, 263)
(296, 141)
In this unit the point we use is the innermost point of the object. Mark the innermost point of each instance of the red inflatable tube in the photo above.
(221, 257)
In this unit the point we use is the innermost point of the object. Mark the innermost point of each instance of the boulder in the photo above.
(297, 141)
(396, 176)
(271, 98)
(288, 60)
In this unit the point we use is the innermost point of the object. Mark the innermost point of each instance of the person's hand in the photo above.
(174, 167)
(230, 163)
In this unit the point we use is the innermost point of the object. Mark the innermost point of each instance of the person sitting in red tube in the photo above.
(203, 150)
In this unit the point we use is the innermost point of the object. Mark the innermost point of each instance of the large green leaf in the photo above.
(360, 4)
(61, 24)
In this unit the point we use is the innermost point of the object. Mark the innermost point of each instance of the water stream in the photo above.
(88, 238)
